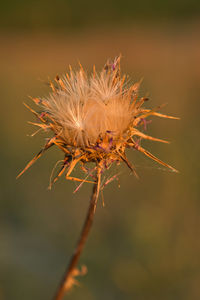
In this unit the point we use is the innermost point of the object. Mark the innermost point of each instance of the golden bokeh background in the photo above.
(144, 244)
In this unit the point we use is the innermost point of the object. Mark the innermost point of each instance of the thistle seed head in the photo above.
(94, 118)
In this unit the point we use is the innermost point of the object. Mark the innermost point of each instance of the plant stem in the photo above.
(67, 280)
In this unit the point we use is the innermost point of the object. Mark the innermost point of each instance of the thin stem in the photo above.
(67, 279)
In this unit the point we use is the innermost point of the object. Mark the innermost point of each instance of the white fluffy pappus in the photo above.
(88, 107)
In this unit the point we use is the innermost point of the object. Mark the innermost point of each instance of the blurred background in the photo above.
(145, 241)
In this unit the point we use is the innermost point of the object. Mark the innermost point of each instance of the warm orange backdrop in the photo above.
(145, 241)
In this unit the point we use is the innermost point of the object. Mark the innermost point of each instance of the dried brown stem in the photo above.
(68, 280)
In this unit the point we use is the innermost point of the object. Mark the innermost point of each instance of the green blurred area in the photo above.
(68, 14)
(145, 241)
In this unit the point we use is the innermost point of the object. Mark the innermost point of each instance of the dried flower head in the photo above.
(94, 119)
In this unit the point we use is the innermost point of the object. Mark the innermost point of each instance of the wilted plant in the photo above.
(93, 119)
